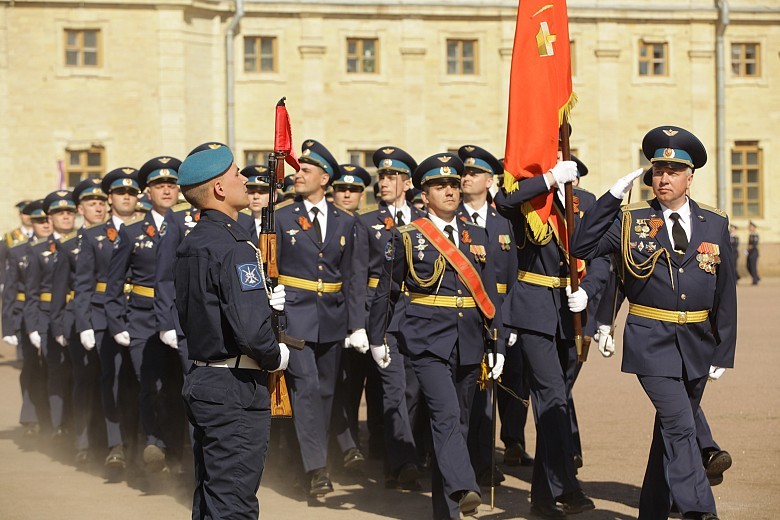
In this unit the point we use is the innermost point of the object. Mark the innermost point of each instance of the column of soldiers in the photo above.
(433, 303)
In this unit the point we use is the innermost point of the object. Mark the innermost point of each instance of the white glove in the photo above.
(716, 372)
(88, 339)
(359, 341)
(578, 300)
(381, 355)
(170, 338)
(512, 339)
(605, 341)
(11, 340)
(123, 338)
(276, 301)
(61, 341)
(623, 185)
(564, 171)
(284, 355)
(35, 339)
(496, 368)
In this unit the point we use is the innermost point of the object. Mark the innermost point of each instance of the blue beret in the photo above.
(205, 165)
(440, 166)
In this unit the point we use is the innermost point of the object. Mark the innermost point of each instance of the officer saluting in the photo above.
(675, 261)
(225, 312)
(452, 286)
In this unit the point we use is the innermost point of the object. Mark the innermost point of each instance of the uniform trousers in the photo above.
(58, 380)
(230, 410)
(674, 471)
(361, 374)
(86, 393)
(114, 364)
(312, 374)
(572, 368)
(152, 361)
(32, 379)
(448, 389)
(513, 412)
(703, 433)
(553, 473)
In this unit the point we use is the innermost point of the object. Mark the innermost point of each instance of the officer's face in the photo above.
(123, 201)
(62, 221)
(26, 220)
(442, 198)
(392, 187)
(258, 199)
(231, 187)
(310, 179)
(93, 210)
(348, 197)
(670, 184)
(41, 228)
(163, 195)
(475, 182)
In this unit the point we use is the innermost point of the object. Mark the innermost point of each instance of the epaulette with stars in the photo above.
(69, 236)
(182, 206)
(712, 209)
(636, 205)
(284, 204)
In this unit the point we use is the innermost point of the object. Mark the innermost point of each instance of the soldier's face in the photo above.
(348, 197)
(670, 184)
(93, 210)
(41, 228)
(62, 221)
(25, 219)
(475, 182)
(310, 179)
(163, 195)
(442, 198)
(392, 187)
(231, 187)
(123, 201)
(258, 199)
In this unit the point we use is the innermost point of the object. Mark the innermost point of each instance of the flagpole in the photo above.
(582, 350)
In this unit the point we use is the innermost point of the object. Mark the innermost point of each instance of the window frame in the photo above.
(359, 55)
(84, 169)
(743, 148)
(742, 60)
(80, 49)
(651, 60)
(258, 56)
(459, 60)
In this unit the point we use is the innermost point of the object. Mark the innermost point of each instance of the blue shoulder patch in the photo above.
(249, 276)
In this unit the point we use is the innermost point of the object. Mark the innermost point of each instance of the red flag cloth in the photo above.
(283, 135)
(540, 93)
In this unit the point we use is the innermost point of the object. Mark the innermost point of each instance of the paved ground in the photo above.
(615, 419)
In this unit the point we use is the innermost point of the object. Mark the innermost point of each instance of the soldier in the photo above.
(375, 228)
(734, 239)
(23, 232)
(752, 253)
(225, 311)
(314, 241)
(452, 287)
(131, 318)
(37, 279)
(97, 245)
(35, 411)
(349, 186)
(90, 202)
(258, 191)
(679, 280)
(480, 169)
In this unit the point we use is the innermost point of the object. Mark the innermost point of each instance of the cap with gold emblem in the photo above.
(313, 152)
(61, 200)
(393, 160)
(125, 177)
(88, 189)
(256, 175)
(160, 169)
(442, 166)
(21, 204)
(35, 210)
(204, 163)
(479, 160)
(352, 175)
(672, 145)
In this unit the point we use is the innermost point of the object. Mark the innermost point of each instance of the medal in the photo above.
(378, 235)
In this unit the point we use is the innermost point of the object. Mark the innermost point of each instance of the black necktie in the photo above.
(475, 217)
(399, 219)
(450, 233)
(315, 211)
(678, 234)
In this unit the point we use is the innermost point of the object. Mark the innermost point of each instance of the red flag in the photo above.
(283, 135)
(540, 93)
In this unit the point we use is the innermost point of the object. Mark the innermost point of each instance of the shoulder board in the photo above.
(406, 229)
(18, 243)
(69, 236)
(368, 209)
(136, 220)
(38, 241)
(348, 212)
(712, 209)
(284, 204)
(636, 205)
(247, 211)
(471, 224)
(95, 225)
(182, 206)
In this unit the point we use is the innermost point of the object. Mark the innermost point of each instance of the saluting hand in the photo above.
(624, 184)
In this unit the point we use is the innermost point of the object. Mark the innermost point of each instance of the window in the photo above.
(745, 61)
(82, 48)
(84, 164)
(259, 54)
(256, 157)
(645, 191)
(462, 57)
(652, 59)
(746, 200)
(362, 56)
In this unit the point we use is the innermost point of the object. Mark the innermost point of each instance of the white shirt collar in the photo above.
(322, 206)
(28, 231)
(482, 212)
(684, 212)
(158, 219)
(117, 221)
(406, 212)
(56, 235)
(441, 224)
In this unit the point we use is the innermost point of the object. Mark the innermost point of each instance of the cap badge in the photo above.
(164, 160)
(444, 158)
(165, 171)
(62, 193)
(306, 152)
(127, 182)
(309, 143)
(388, 151)
(128, 170)
(445, 170)
(387, 163)
(214, 146)
(669, 153)
(349, 179)
(349, 168)
(470, 161)
(671, 133)
(469, 148)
